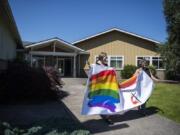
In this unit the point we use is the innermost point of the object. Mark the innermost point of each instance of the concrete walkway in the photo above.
(125, 124)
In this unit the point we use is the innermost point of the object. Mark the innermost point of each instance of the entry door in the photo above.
(60, 63)
(68, 67)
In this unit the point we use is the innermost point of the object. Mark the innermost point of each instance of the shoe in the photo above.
(109, 121)
(143, 113)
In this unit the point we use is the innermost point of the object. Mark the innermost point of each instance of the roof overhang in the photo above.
(42, 53)
(84, 52)
(118, 30)
(57, 40)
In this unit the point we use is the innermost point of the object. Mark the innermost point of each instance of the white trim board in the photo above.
(109, 58)
(119, 30)
(42, 53)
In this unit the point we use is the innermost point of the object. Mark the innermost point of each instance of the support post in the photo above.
(79, 65)
(31, 56)
(54, 46)
(31, 59)
(74, 66)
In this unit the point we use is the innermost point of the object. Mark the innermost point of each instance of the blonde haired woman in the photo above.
(103, 60)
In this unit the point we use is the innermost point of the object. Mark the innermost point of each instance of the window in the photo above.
(148, 59)
(116, 62)
(156, 61)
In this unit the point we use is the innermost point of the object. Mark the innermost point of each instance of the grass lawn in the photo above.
(166, 97)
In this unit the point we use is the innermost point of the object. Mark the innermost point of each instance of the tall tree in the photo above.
(171, 49)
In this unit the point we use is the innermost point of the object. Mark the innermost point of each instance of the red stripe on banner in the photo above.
(128, 83)
(104, 79)
(103, 73)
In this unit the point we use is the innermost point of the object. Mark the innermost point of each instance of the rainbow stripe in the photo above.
(128, 82)
(104, 90)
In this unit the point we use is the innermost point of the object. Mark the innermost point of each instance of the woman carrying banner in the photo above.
(102, 59)
(143, 66)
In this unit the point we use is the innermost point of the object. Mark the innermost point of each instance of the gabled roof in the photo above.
(55, 39)
(26, 43)
(118, 30)
(7, 15)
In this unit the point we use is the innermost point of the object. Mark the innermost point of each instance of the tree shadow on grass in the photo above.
(38, 101)
(50, 116)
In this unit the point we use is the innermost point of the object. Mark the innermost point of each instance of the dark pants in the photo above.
(142, 108)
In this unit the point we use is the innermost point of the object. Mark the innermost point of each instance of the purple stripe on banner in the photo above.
(111, 108)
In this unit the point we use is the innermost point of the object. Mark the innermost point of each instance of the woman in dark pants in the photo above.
(143, 66)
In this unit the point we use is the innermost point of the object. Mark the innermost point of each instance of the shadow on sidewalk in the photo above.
(98, 126)
(57, 115)
(134, 114)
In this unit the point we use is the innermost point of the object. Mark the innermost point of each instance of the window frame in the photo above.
(109, 58)
(39, 57)
(151, 60)
(109, 61)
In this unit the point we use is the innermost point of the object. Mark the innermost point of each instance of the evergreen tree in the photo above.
(171, 49)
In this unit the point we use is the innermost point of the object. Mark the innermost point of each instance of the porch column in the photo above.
(31, 59)
(54, 47)
(74, 66)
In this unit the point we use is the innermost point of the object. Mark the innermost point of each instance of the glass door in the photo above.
(38, 61)
(60, 66)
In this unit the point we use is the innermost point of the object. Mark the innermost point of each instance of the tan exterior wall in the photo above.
(115, 43)
(118, 44)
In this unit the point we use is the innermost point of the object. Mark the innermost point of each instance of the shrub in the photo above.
(152, 70)
(128, 71)
(54, 77)
(171, 75)
(21, 82)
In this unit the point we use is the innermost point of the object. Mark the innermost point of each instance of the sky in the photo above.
(72, 20)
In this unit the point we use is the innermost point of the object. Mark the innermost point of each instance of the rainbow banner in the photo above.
(104, 95)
